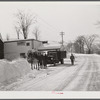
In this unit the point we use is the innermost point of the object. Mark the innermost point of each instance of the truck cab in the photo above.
(56, 57)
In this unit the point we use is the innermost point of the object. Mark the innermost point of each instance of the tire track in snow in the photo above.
(89, 79)
(83, 78)
(40, 77)
(51, 82)
(94, 84)
(72, 77)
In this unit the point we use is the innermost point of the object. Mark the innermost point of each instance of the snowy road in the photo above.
(83, 76)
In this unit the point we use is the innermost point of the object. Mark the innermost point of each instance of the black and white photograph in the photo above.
(51, 47)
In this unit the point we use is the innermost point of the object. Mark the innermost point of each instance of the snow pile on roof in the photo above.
(1, 37)
(49, 47)
(10, 71)
(52, 44)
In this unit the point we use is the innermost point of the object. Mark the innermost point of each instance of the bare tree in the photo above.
(24, 21)
(36, 33)
(89, 42)
(69, 47)
(79, 44)
(7, 37)
(96, 48)
(17, 31)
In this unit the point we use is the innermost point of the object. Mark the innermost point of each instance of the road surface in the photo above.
(83, 76)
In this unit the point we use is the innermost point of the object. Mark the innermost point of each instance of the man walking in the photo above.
(72, 58)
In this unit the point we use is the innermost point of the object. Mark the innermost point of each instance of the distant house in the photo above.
(19, 48)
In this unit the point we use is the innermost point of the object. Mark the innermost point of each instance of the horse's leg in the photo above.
(31, 66)
(34, 66)
(37, 65)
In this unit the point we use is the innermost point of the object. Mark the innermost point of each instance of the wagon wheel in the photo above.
(62, 61)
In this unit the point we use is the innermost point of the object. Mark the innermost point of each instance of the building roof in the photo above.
(46, 48)
(7, 41)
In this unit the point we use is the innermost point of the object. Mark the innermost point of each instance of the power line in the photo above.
(55, 28)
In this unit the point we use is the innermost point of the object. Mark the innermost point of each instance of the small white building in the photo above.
(17, 48)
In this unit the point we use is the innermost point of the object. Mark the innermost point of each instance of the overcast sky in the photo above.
(74, 18)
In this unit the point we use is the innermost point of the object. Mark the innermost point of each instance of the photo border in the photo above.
(8, 96)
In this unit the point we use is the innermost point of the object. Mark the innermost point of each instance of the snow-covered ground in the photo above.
(32, 75)
(83, 76)
(11, 71)
(17, 72)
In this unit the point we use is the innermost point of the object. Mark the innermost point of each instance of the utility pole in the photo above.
(62, 33)
(71, 48)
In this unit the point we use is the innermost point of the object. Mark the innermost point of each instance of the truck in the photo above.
(54, 57)
(55, 54)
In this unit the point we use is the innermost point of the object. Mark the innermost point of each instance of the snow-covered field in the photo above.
(83, 76)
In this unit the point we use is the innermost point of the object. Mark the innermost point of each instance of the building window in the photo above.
(22, 55)
(27, 44)
(21, 43)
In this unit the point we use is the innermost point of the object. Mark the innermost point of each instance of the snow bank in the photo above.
(10, 71)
